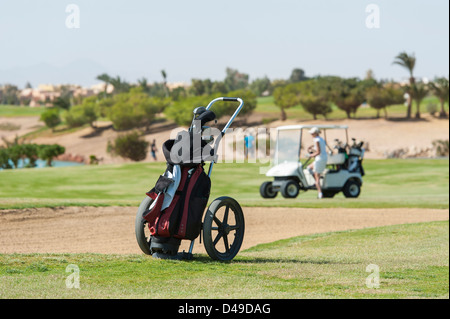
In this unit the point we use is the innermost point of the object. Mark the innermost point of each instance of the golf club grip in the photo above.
(230, 99)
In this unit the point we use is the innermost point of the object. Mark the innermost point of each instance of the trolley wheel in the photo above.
(266, 190)
(140, 226)
(223, 229)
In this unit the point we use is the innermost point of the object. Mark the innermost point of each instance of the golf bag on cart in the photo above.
(181, 194)
(173, 209)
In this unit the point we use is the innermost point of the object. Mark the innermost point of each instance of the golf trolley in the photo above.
(344, 166)
(223, 226)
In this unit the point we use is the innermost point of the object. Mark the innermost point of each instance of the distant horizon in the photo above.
(201, 39)
(95, 81)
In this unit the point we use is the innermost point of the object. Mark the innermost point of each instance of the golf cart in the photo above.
(344, 169)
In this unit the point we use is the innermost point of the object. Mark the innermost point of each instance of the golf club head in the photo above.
(199, 110)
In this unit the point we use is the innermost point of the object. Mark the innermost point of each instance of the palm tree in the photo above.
(419, 92)
(143, 84)
(120, 86)
(105, 78)
(164, 75)
(408, 62)
(440, 88)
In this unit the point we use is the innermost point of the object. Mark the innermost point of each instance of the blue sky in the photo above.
(199, 38)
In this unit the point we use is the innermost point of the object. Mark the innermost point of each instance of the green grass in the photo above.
(20, 110)
(413, 262)
(267, 107)
(387, 184)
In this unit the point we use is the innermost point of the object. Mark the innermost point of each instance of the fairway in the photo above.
(275, 263)
(412, 260)
(387, 184)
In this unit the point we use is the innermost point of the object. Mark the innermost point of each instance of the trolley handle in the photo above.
(216, 143)
(228, 99)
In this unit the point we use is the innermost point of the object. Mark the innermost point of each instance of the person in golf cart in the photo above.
(319, 152)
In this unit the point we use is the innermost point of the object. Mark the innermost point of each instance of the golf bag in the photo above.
(183, 217)
(181, 194)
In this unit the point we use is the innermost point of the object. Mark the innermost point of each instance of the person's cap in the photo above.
(314, 130)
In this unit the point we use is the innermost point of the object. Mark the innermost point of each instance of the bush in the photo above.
(442, 147)
(130, 146)
(51, 118)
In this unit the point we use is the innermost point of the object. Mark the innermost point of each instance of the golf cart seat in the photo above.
(336, 159)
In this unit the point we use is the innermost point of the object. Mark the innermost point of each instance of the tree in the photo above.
(285, 97)
(408, 62)
(440, 88)
(314, 97)
(130, 146)
(15, 154)
(164, 76)
(120, 86)
(228, 108)
(259, 86)
(348, 95)
(297, 75)
(30, 151)
(219, 87)
(135, 108)
(235, 80)
(178, 93)
(143, 84)
(369, 75)
(51, 118)
(62, 103)
(315, 105)
(419, 92)
(181, 111)
(10, 95)
(84, 113)
(4, 159)
(48, 152)
(380, 97)
(197, 87)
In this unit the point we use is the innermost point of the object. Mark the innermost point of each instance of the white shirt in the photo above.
(323, 149)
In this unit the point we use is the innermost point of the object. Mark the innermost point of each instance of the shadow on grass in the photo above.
(268, 260)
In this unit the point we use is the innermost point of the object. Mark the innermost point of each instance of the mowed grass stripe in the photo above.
(387, 184)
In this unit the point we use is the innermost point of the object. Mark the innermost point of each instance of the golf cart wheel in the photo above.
(223, 229)
(352, 189)
(266, 190)
(140, 226)
(290, 189)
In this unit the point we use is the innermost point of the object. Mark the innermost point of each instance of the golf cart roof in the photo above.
(321, 127)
